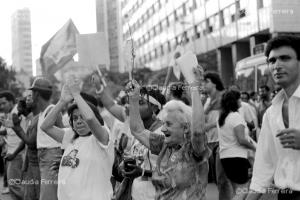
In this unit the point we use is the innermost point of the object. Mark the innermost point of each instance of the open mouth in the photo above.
(167, 134)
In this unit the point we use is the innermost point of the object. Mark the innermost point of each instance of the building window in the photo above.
(209, 26)
(184, 9)
(168, 21)
(241, 6)
(155, 53)
(160, 27)
(196, 33)
(162, 49)
(175, 16)
(169, 46)
(229, 14)
(222, 23)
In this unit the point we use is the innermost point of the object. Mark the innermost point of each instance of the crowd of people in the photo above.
(146, 145)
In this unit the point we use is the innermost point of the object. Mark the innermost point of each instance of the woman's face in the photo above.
(80, 126)
(173, 129)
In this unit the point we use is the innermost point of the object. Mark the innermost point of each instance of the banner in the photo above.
(93, 50)
(186, 63)
(59, 50)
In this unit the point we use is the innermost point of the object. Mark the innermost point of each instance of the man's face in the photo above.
(33, 99)
(263, 93)
(5, 105)
(244, 98)
(284, 66)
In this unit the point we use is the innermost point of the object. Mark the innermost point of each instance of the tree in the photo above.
(8, 79)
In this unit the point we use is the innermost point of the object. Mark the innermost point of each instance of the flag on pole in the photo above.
(60, 49)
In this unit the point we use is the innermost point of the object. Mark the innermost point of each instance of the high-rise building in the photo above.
(108, 21)
(219, 32)
(21, 43)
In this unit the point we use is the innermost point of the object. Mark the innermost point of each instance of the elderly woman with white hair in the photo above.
(182, 166)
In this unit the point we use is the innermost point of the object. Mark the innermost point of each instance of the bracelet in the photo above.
(100, 91)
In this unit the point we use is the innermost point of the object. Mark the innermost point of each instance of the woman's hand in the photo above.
(133, 89)
(73, 84)
(96, 81)
(199, 76)
(66, 95)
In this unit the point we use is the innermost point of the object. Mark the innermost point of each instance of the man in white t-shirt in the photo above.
(48, 149)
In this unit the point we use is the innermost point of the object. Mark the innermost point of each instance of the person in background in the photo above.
(277, 158)
(234, 143)
(30, 166)
(14, 162)
(176, 91)
(264, 102)
(214, 88)
(48, 149)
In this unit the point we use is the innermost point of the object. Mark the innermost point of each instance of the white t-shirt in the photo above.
(42, 139)
(229, 145)
(85, 169)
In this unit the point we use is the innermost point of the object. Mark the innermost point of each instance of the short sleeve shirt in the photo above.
(229, 145)
(183, 175)
(85, 169)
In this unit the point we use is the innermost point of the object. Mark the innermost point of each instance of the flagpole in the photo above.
(132, 52)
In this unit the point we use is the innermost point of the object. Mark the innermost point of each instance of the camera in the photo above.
(127, 161)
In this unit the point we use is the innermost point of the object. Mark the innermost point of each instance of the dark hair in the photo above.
(247, 94)
(264, 87)
(8, 95)
(252, 94)
(215, 79)
(89, 98)
(100, 104)
(155, 93)
(45, 94)
(74, 106)
(229, 103)
(176, 89)
(284, 40)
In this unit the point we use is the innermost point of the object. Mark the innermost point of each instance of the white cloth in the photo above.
(229, 145)
(144, 189)
(272, 161)
(90, 179)
(249, 113)
(42, 139)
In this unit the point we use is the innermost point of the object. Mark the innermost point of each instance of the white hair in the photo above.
(177, 106)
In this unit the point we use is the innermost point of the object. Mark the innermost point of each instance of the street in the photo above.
(212, 193)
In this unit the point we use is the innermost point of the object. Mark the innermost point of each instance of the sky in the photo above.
(47, 17)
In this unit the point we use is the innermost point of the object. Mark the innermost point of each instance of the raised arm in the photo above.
(48, 126)
(108, 102)
(97, 129)
(198, 117)
(136, 124)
